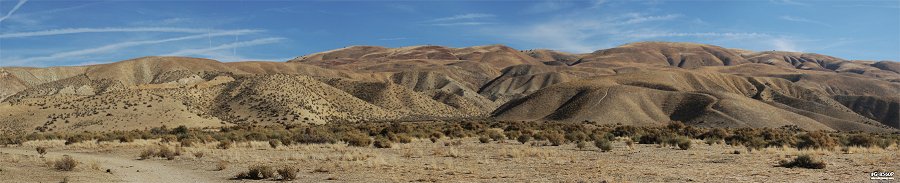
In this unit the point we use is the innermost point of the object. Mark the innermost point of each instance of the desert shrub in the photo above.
(315, 135)
(513, 135)
(712, 140)
(199, 154)
(401, 138)
(683, 142)
(717, 133)
(484, 139)
(803, 161)
(654, 138)
(41, 151)
(382, 142)
(524, 138)
(453, 143)
(65, 164)
(581, 145)
(861, 140)
(601, 135)
(575, 136)
(287, 173)
(225, 144)
(147, 153)
(187, 142)
(755, 143)
(603, 144)
(816, 140)
(274, 143)
(166, 152)
(495, 134)
(257, 172)
(356, 138)
(626, 131)
(455, 131)
(555, 138)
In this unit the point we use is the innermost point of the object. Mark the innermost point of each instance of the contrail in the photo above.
(123, 45)
(254, 42)
(18, 5)
(111, 29)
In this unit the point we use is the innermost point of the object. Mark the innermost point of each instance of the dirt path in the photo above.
(129, 170)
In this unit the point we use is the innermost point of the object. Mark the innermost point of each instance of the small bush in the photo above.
(41, 151)
(803, 161)
(524, 138)
(225, 144)
(257, 172)
(65, 164)
(712, 140)
(382, 142)
(683, 142)
(603, 144)
(165, 152)
(187, 142)
(147, 153)
(555, 138)
(356, 138)
(496, 134)
(581, 144)
(288, 173)
(861, 140)
(484, 139)
(816, 140)
(274, 143)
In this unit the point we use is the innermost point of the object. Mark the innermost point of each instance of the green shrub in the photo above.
(603, 144)
(524, 138)
(683, 142)
(803, 161)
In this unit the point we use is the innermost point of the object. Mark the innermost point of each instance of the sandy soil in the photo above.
(471, 161)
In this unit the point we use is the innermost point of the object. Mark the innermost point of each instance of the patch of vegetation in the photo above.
(803, 161)
(257, 172)
(603, 144)
(67, 163)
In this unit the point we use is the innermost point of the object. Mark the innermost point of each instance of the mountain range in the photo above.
(643, 83)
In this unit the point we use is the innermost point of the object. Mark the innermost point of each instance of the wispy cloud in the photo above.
(118, 46)
(803, 20)
(784, 44)
(642, 19)
(13, 10)
(731, 35)
(461, 23)
(113, 29)
(468, 16)
(262, 41)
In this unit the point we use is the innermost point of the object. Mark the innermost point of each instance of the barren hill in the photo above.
(646, 83)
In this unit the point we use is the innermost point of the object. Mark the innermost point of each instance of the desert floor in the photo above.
(424, 161)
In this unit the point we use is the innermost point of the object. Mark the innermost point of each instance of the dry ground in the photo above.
(424, 161)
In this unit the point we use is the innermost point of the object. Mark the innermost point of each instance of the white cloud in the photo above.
(641, 19)
(114, 29)
(462, 23)
(117, 46)
(468, 16)
(803, 20)
(784, 44)
(13, 10)
(201, 51)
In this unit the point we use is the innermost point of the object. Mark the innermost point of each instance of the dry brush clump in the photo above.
(257, 172)
(66, 163)
(161, 151)
(803, 161)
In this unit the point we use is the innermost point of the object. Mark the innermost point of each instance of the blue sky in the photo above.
(58, 33)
